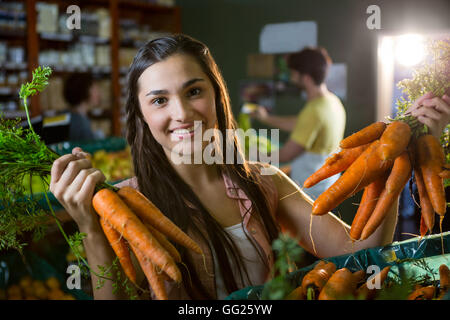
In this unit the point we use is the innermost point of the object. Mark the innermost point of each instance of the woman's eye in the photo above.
(158, 101)
(194, 92)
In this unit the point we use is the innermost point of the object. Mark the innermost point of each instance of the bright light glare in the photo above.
(386, 49)
(409, 49)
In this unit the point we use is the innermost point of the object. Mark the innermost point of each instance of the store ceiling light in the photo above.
(386, 49)
(409, 49)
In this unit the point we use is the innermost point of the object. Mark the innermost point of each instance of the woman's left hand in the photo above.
(434, 112)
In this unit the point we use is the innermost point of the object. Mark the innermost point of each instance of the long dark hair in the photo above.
(159, 181)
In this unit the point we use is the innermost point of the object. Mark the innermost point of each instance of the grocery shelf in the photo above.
(159, 18)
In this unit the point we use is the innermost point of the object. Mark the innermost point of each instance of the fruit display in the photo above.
(114, 165)
(31, 289)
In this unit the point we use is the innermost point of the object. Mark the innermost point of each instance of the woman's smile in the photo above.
(186, 131)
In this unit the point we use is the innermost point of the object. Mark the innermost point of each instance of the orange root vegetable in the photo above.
(335, 164)
(423, 293)
(365, 135)
(394, 140)
(444, 174)
(444, 277)
(367, 168)
(423, 229)
(109, 206)
(341, 285)
(317, 277)
(401, 172)
(120, 248)
(163, 275)
(368, 203)
(427, 211)
(444, 280)
(363, 292)
(165, 243)
(359, 275)
(296, 294)
(148, 212)
(430, 158)
(154, 279)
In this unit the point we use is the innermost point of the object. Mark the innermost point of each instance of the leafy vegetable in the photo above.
(24, 156)
(288, 252)
(433, 75)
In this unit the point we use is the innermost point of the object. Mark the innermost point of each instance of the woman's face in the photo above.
(172, 94)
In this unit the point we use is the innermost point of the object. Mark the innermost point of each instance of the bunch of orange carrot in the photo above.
(130, 221)
(324, 282)
(379, 160)
(430, 292)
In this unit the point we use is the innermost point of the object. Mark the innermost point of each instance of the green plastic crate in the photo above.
(429, 247)
(110, 144)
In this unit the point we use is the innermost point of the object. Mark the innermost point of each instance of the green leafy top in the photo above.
(433, 75)
(24, 156)
(288, 252)
(38, 84)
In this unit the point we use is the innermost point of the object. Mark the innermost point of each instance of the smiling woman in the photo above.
(175, 91)
(232, 210)
(173, 94)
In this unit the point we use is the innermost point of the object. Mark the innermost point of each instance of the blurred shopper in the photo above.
(81, 93)
(319, 127)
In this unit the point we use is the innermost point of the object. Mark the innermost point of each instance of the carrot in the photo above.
(423, 229)
(109, 206)
(430, 160)
(427, 211)
(149, 269)
(444, 277)
(148, 212)
(363, 136)
(341, 285)
(394, 140)
(317, 278)
(163, 275)
(397, 179)
(165, 243)
(422, 293)
(445, 174)
(120, 248)
(296, 294)
(367, 168)
(368, 202)
(444, 280)
(335, 164)
(359, 275)
(363, 292)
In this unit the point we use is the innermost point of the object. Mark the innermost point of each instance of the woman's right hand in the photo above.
(73, 180)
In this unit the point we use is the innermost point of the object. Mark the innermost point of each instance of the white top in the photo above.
(255, 266)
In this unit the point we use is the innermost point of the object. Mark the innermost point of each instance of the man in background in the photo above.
(81, 94)
(318, 128)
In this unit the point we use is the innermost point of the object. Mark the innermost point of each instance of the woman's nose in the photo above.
(181, 110)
